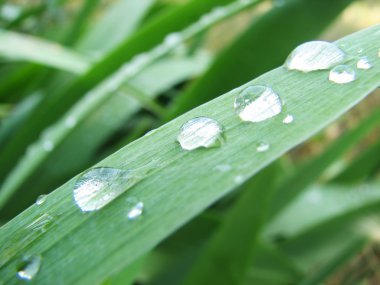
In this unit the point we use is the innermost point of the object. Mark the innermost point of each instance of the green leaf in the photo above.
(328, 269)
(15, 46)
(228, 255)
(363, 166)
(175, 185)
(307, 174)
(118, 23)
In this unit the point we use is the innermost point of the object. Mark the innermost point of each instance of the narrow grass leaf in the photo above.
(15, 46)
(175, 185)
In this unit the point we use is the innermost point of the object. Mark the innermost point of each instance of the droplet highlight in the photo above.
(262, 147)
(99, 186)
(41, 199)
(29, 267)
(257, 103)
(364, 63)
(288, 119)
(342, 74)
(315, 55)
(135, 208)
(201, 132)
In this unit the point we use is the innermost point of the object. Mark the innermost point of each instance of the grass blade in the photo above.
(14, 46)
(168, 185)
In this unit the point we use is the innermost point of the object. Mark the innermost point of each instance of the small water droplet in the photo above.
(29, 267)
(47, 145)
(41, 199)
(315, 55)
(135, 208)
(288, 119)
(70, 122)
(223, 167)
(262, 147)
(342, 74)
(363, 63)
(99, 186)
(257, 103)
(200, 132)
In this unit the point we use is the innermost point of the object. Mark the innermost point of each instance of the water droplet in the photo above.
(342, 74)
(223, 167)
(288, 119)
(257, 103)
(29, 267)
(315, 55)
(47, 145)
(135, 208)
(262, 147)
(363, 63)
(99, 186)
(173, 39)
(41, 199)
(70, 122)
(378, 53)
(200, 132)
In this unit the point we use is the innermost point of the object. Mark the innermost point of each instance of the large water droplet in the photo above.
(99, 186)
(288, 119)
(29, 267)
(135, 208)
(200, 132)
(41, 199)
(262, 147)
(257, 103)
(315, 55)
(342, 74)
(363, 63)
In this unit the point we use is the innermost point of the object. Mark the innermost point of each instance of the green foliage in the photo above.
(80, 91)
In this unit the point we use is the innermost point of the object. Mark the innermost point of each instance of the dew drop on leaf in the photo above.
(257, 103)
(41, 199)
(342, 74)
(200, 132)
(135, 208)
(288, 119)
(262, 147)
(363, 63)
(29, 267)
(314, 55)
(99, 186)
